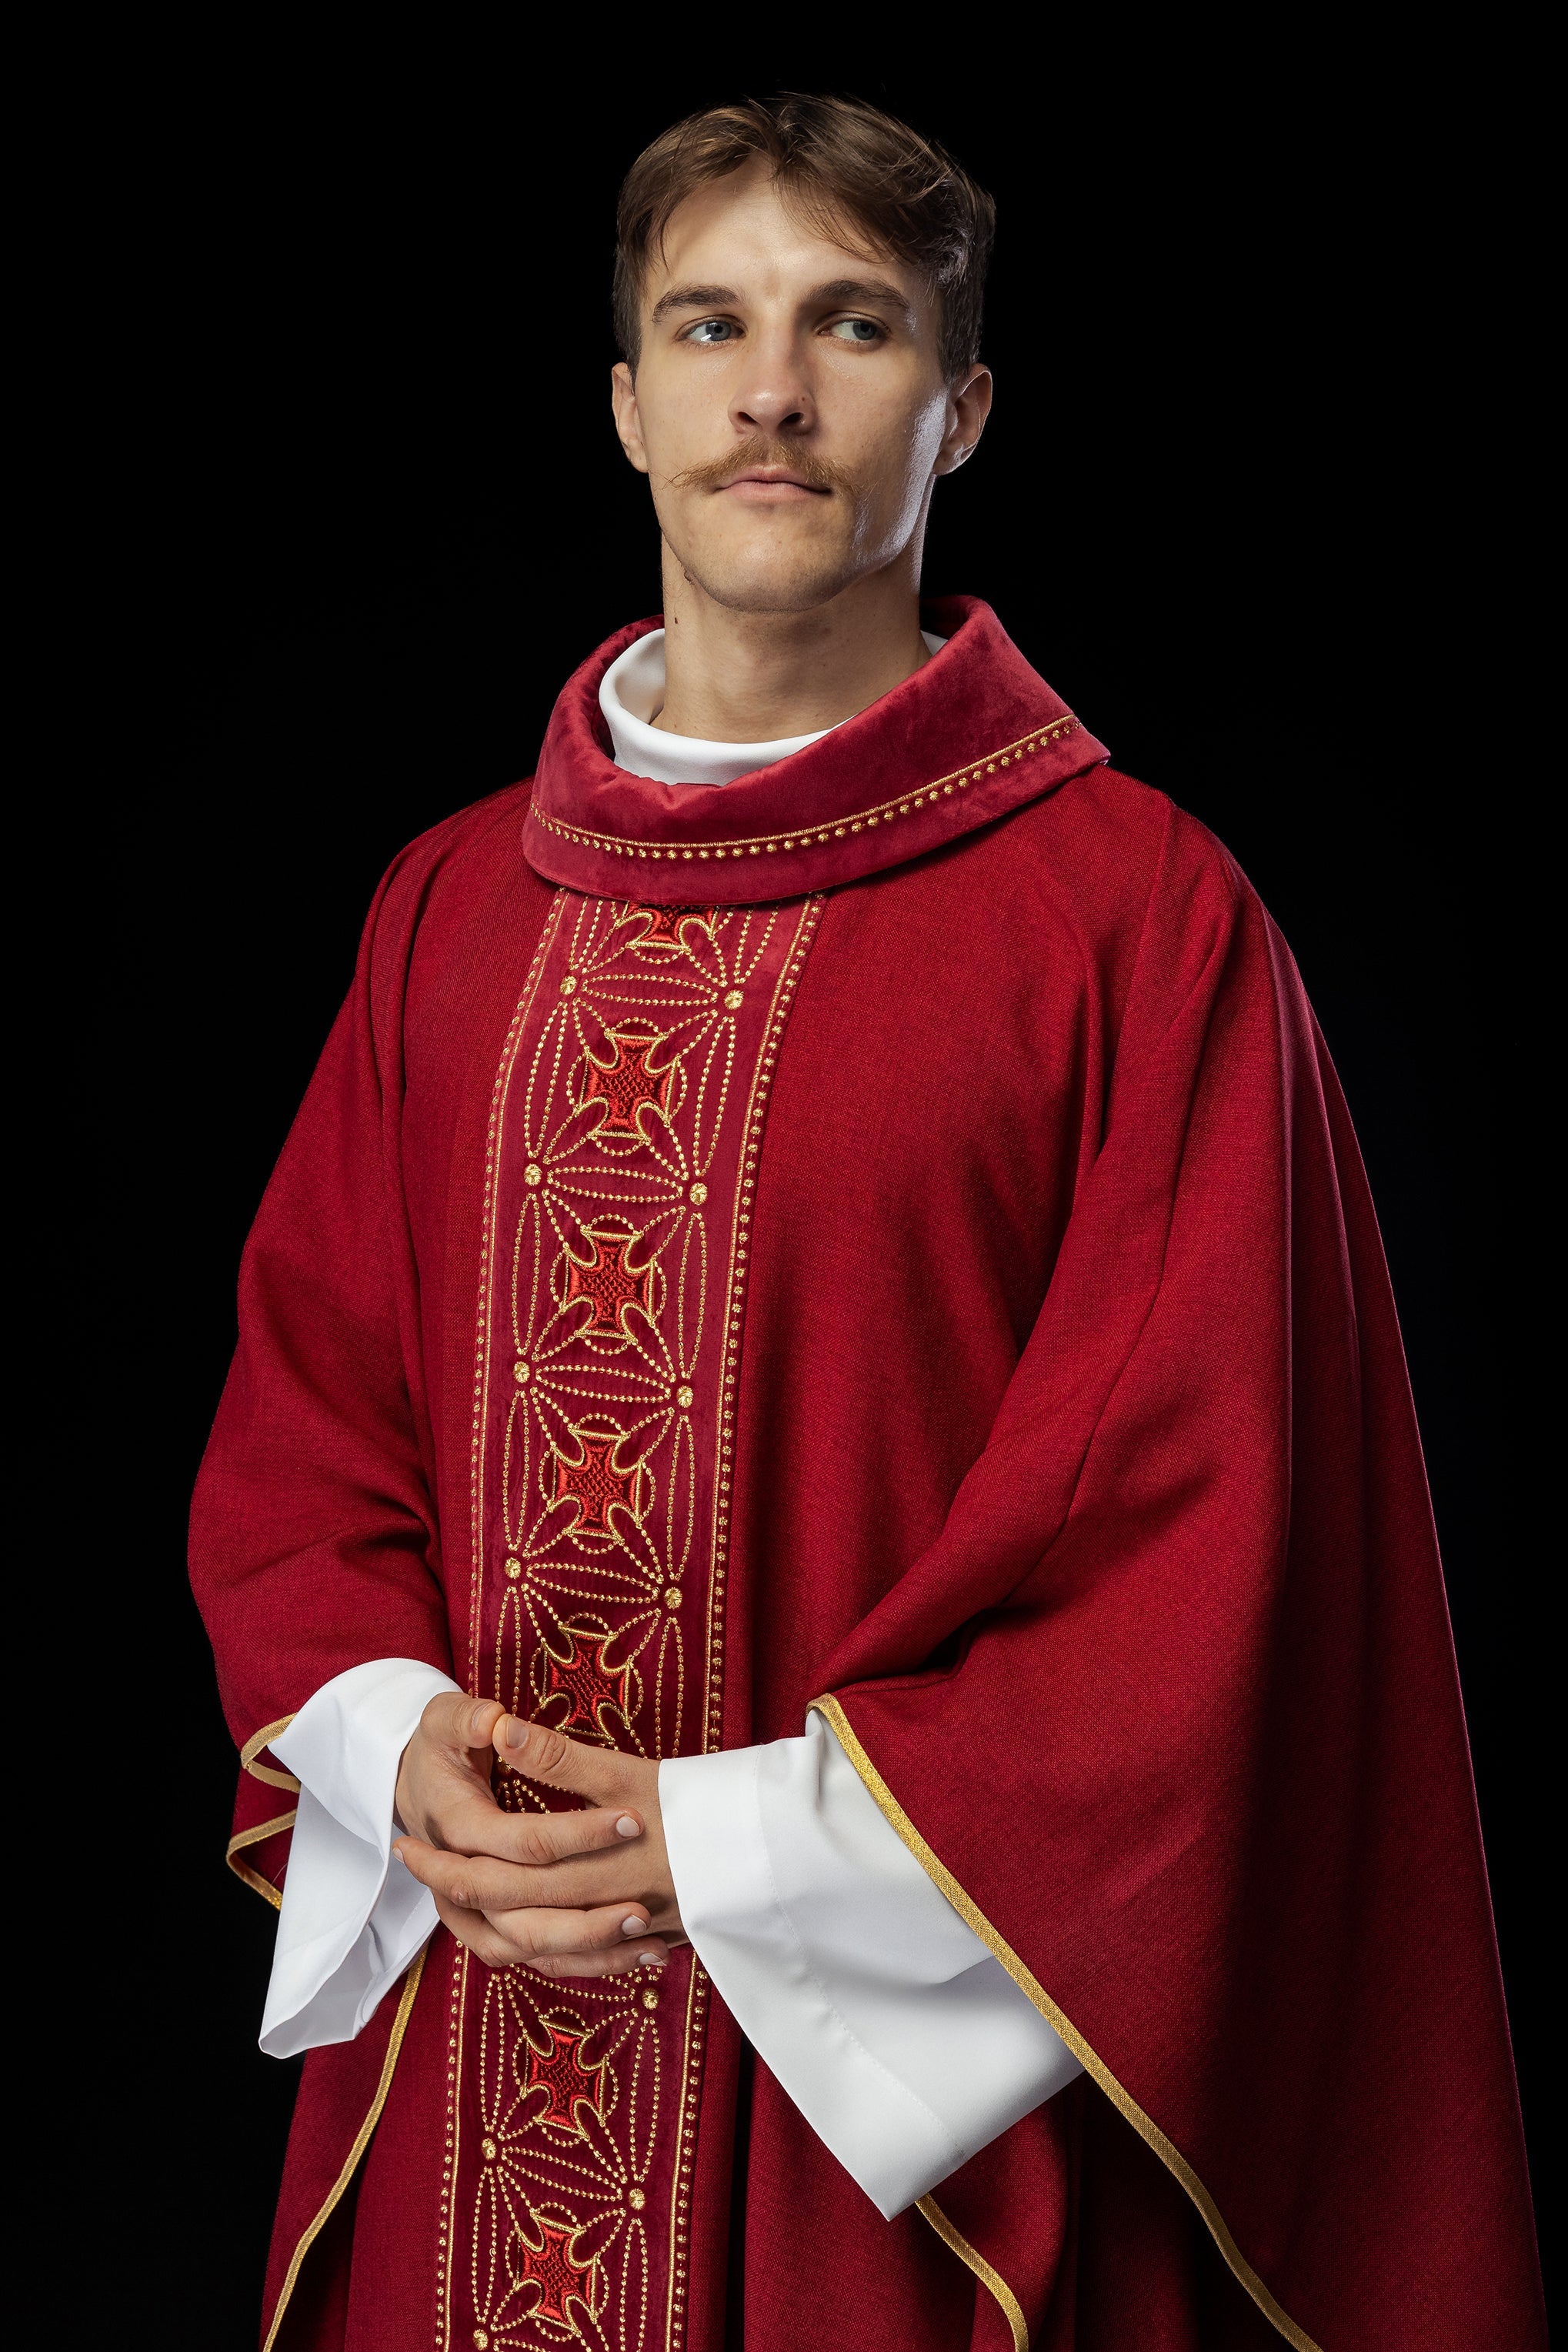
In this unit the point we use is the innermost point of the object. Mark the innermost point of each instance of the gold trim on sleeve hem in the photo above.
(253, 1748)
(399, 2026)
(1012, 2308)
(273, 1828)
(1093, 2066)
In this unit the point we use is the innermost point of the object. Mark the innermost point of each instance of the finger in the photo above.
(478, 1882)
(472, 1928)
(469, 1821)
(542, 1935)
(471, 1882)
(463, 1722)
(560, 1763)
(600, 1964)
(543, 1940)
(540, 1839)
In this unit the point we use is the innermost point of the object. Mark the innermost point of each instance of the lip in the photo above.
(775, 480)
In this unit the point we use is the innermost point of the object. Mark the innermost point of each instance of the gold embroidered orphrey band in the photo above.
(621, 1175)
(885, 812)
(1093, 2066)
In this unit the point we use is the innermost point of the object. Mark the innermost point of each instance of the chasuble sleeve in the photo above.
(1169, 1710)
(313, 1535)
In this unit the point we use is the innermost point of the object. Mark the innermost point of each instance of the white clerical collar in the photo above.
(632, 691)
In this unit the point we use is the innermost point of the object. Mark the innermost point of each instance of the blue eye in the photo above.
(857, 330)
(711, 330)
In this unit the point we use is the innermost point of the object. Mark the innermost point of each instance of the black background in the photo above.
(363, 512)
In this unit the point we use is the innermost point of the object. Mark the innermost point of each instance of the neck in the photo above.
(753, 677)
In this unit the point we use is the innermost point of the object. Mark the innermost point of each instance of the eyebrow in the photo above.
(694, 298)
(874, 291)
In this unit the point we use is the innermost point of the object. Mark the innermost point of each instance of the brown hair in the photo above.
(835, 159)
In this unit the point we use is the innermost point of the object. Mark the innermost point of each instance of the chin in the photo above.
(769, 584)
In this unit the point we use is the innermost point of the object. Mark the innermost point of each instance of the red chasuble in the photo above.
(885, 1235)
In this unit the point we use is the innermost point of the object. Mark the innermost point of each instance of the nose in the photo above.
(774, 396)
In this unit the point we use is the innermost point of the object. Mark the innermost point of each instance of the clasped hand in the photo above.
(585, 1893)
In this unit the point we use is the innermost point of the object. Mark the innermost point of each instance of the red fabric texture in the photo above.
(1074, 1453)
(926, 764)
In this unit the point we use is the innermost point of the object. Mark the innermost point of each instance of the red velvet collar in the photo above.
(975, 733)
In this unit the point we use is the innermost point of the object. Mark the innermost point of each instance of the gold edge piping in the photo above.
(680, 2143)
(732, 1320)
(399, 2025)
(1039, 739)
(982, 2270)
(253, 1748)
(273, 1828)
(459, 2011)
(1148, 2130)
(499, 1097)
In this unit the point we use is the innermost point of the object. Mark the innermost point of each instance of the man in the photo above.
(818, 1497)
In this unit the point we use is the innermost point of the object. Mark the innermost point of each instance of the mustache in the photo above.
(814, 471)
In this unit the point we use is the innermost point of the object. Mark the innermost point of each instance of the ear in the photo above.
(624, 401)
(968, 406)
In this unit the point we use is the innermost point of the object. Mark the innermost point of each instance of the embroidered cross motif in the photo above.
(566, 2077)
(629, 1085)
(598, 1484)
(610, 1283)
(666, 926)
(585, 1682)
(551, 2265)
(625, 1128)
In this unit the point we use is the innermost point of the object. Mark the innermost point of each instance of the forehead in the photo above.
(744, 233)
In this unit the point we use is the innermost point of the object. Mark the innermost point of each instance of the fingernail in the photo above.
(515, 1734)
(650, 1961)
(627, 1827)
(634, 1926)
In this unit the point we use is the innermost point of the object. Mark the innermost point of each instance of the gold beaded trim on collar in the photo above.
(813, 836)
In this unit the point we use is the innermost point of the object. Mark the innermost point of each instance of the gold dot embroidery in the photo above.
(683, 1397)
(697, 1195)
(733, 1000)
(569, 985)
(533, 1174)
(515, 1567)
(672, 1596)
(519, 1371)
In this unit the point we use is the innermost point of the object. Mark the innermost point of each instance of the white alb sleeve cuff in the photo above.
(352, 1916)
(906, 2046)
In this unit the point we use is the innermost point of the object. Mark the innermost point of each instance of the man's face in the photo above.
(789, 406)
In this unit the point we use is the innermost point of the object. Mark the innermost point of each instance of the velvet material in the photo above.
(925, 764)
(1072, 1449)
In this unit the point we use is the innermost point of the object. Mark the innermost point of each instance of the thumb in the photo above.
(467, 1723)
(540, 1754)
